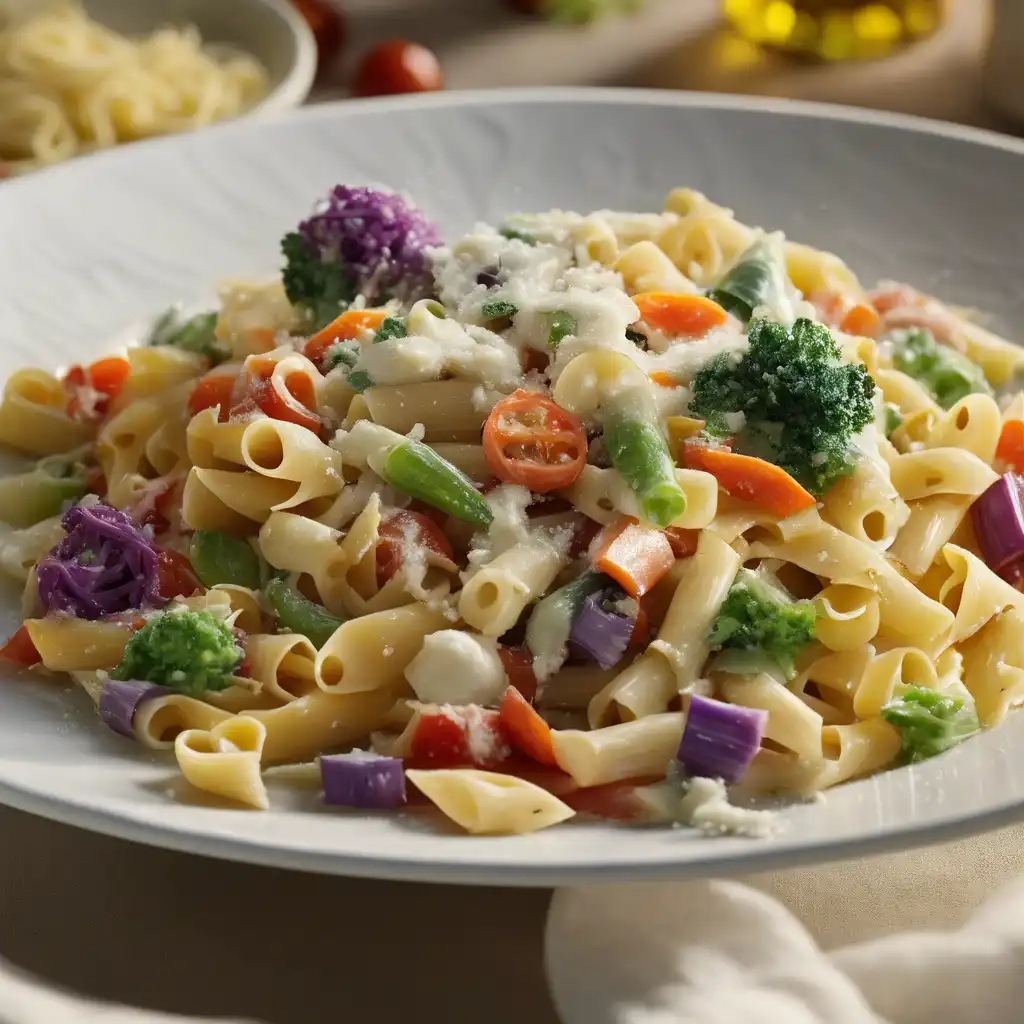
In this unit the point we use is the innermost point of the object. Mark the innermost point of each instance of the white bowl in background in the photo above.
(272, 31)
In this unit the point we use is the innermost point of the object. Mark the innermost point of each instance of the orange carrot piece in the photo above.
(862, 320)
(688, 316)
(750, 479)
(1010, 449)
(664, 379)
(109, 375)
(524, 729)
(635, 556)
(342, 328)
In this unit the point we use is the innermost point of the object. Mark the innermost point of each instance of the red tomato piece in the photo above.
(525, 730)
(518, 665)
(443, 738)
(391, 541)
(529, 440)
(176, 575)
(20, 650)
(398, 66)
(216, 388)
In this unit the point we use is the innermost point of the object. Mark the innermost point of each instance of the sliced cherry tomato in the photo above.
(391, 541)
(20, 650)
(215, 388)
(443, 738)
(261, 393)
(529, 440)
(524, 729)
(156, 515)
(398, 66)
(518, 665)
(176, 575)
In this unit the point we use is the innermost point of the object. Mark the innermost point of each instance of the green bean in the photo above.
(758, 279)
(301, 615)
(640, 453)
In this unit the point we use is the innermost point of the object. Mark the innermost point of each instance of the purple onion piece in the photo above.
(599, 634)
(720, 740)
(363, 779)
(998, 518)
(119, 700)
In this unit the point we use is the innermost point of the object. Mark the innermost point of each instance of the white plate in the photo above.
(92, 248)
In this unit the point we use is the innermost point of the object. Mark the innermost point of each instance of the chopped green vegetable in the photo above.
(392, 327)
(893, 419)
(320, 289)
(296, 613)
(42, 492)
(760, 618)
(930, 721)
(341, 353)
(561, 326)
(758, 279)
(553, 616)
(497, 308)
(802, 405)
(519, 236)
(359, 381)
(187, 651)
(197, 334)
(639, 452)
(417, 470)
(220, 558)
(946, 373)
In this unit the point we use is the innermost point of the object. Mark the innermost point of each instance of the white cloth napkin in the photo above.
(736, 952)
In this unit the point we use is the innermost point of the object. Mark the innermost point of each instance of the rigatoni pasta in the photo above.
(574, 506)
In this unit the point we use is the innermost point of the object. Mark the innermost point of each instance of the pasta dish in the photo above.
(591, 514)
(69, 86)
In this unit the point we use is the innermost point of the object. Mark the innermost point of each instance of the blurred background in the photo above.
(916, 56)
(81, 75)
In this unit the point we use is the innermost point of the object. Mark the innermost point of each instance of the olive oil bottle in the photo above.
(835, 29)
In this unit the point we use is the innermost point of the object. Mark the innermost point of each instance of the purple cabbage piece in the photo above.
(380, 238)
(998, 517)
(599, 634)
(720, 740)
(104, 566)
(119, 700)
(363, 779)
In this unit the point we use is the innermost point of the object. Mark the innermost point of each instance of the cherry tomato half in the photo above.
(397, 66)
(529, 440)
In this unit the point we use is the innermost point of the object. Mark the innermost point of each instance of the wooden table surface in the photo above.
(160, 929)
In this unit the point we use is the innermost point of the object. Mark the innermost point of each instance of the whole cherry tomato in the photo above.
(328, 26)
(397, 66)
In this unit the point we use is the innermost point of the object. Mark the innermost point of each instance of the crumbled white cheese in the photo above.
(456, 667)
(484, 743)
(705, 805)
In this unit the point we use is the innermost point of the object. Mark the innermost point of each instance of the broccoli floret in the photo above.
(764, 622)
(930, 721)
(802, 405)
(946, 373)
(321, 289)
(188, 651)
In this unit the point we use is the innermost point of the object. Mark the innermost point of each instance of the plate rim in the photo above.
(484, 869)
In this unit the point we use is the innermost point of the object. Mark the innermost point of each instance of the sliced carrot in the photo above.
(109, 375)
(688, 316)
(343, 328)
(1010, 449)
(664, 379)
(635, 556)
(862, 320)
(261, 393)
(20, 649)
(213, 389)
(680, 429)
(524, 729)
(750, 479)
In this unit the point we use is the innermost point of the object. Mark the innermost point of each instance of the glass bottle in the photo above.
(835, 29)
